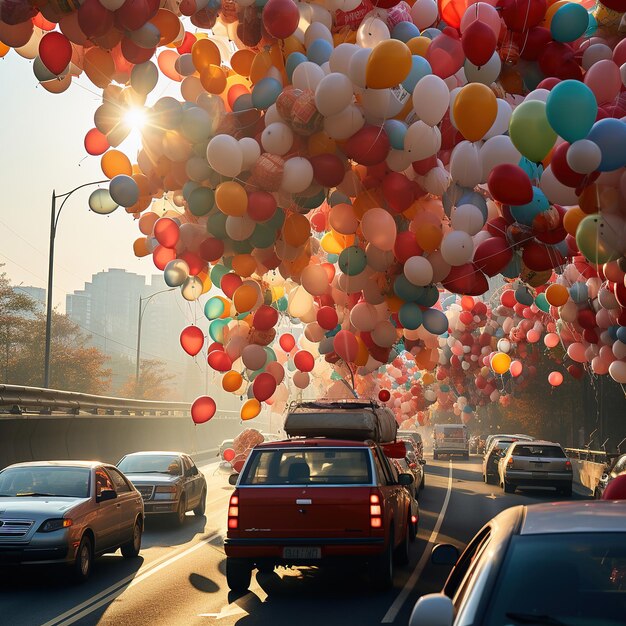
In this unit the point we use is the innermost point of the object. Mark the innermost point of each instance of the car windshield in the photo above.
(308, 467)
(575, 578)
(151, 464)
(69, 482)
(548, 452)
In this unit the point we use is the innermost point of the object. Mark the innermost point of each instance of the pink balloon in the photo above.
(555, 378)
(576, 352)
(482, 12)
(604, 79)
(346, 345)
(551, 340)
(516, 368)
(533, 336)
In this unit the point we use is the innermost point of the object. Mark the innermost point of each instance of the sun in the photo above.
(135, 118)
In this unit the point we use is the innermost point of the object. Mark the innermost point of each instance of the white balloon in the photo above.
(272, 115)
(485, 74)
(340, 57)
(307, 75)
(239, 228)
(503, 117)
(251, 151)
(225, 155)
(453, 94)
(418, 271)
(372, 31)
(498, 150)
(437, 180)
(457, 248)
(540, 95)
(466, 165)
(424, 13)
(584, 156)
(422, 140)
(431, 99)
(317, 31)
(297, 175)
(344, 124)
(333, 94)
(380, 104)
(555, 191)
(357, 67)
(467, 218)
(277, 138)
(398, 160)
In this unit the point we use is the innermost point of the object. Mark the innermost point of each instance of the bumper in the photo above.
(29, 555)
(523, 477)
(266, 550)
(160, 507)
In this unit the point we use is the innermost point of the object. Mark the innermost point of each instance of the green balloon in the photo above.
(217, 273)
(530, 130)
(592, 243)
(216, 329)
(201, 201)
(216, 225)
(352, 260)
(542, 303)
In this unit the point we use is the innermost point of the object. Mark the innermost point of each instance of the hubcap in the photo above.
(84, 560)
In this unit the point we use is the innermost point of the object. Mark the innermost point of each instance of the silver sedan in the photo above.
(67, 512)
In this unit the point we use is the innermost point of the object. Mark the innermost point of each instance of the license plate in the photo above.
(537, 474)
(302, 553)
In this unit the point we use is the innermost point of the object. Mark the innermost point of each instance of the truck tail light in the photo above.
(376, 511)
(568, 466)
(233, 512)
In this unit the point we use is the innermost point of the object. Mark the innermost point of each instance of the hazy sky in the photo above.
(42, 149)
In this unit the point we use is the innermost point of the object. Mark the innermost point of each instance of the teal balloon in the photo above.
(571, 108)
(216, 225)
(188, 187)
(213, 308)
(410, 316)
(271, 355)
(534, 170)
(265, 92)
(406, 290)
(319, 51)
(526, 213)
(243, 103)
(592, 26)
(396, 130)
(433, 32)
(216, 329)
(243, 247)
(429, 296)
(420, 67)
(405, 31)
(281, 304)
(513, 268)
(542, 303)
(201, 201)
(293, 60)
(217, 273)
(332, 258)
(609, 135)
(263, 236)
(277, 220)
(352, 260)
(569, 22)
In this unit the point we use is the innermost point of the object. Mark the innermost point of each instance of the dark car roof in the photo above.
(315, 442)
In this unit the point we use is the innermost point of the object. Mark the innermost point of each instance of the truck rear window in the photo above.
(320, 466)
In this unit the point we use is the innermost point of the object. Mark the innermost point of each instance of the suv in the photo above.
(536, 463)
(314, 501)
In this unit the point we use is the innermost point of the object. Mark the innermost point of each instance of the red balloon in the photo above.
(228, 455)
(215, 346)
(304, 360)
(135, 54)
(264, 386)
(510, 184)
(532, 43)
(548, 83)
(229, 284)
(55, 51)
(616, 5)
(451, 11)
(195, 263)
(219, 361)
(493, 255)
(368, 146)
(539, 257)
(280, 18)
(261, 206)
(558, 59)
(445, 53)
(327, 318)
(328, 169)
(94, 20)
(425, 165)
(287, 342)
(161, 256)
(466, 318)
(398, 191)
(265, 318)
(187, 45)
(192, 340)
(466, 279)
(479, 43)
(522, 15)
(497, 226)
(203, 409)
(211, 249)
(166, 232)
(346, 345)
(384, 395)
(133, 14)
(96, 142)
(406, 246)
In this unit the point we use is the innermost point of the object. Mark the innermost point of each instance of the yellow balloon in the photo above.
(418, 45)
(232, 381)
(231, 199)
(250, 409)
(388, 65)
(428, 378)
(475, 110)
(500, 363)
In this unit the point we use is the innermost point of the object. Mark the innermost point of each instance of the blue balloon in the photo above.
(526, 213)
(319, 51)
(621, 334)
(420, 67)
(609, 135)
(404, 31)
(435, 321)
(432, 32)
(578, 292)
(475, 199)
(612, 330)
(410, 316)
(451, 197)
(293, 60)
(265, 92)
(468, 409)
(407, 290)
(571, 109)
(396, 130)
(243, 103)
(569, 22)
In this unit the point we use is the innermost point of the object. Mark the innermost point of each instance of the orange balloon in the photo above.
(571, 219)
(232, 381)
(362, 354)
(475, 110)
(553, 7)
(394, 303)
(418, 45)
(557, 295)
(321, 143)
(213, 79)
(205, 53)
(166, 62)
(140, 247)
(250, 409)
(168, 24)
(261, 65)
(428, 237)
(244, 298)
(366, 200)
(4, 49)
(241, 61)
(114, 163)
(99, 66)
(231, 199)
(296, 230)
(244, 265)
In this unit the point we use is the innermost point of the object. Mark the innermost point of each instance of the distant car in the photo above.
(617, 467)
(450, 439)
(491, 460)
(415, 463)
(225, 445)
(558, 563)
(67, 512)
(490, 438)
(417, 441)
(535, 463)
(169, 482)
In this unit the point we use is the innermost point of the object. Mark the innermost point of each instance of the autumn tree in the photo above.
(154, 382)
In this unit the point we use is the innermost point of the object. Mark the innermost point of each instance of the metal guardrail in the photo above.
(16, 400)
(584, 454)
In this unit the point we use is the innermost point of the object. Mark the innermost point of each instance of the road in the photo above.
(179, 578)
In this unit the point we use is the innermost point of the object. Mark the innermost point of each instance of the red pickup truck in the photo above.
(315, 501)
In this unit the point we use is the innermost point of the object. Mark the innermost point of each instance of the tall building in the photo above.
(37, 294)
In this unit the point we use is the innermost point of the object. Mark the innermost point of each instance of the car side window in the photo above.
(458, 576)
(380, 469)
(192, 466)
(388, 471)
(121, 486)
(103, 481)
(186, 466)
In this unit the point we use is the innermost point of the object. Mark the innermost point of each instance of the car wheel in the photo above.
(84, 560)
(508, 487)
(238, 574)
(179, 516)
(381, 569)
(401, 553)
(201, 508)
(131, 549)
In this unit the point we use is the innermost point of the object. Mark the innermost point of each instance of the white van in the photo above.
(450, 439)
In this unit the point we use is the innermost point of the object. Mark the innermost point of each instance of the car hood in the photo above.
(153, 479)
(44, 506)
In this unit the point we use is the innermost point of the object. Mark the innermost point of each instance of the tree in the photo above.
(154, 382)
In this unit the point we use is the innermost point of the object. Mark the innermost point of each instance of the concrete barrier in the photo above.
(109, 437)
(586, 475)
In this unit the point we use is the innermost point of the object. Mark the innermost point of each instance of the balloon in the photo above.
(571, 110)
(251, 408)
(345, 345)
(500, 363)
(457, 248)
(225, 155)
(192, 340)
(232, 381)
(475, 110)
(609, 135)
(264, 386)
(287, 342)
(479, 42)
(379, 228)
(557, 295)
(493, 255)
(555, 378)
(304, 360)
(203, 409)
(431, 98)
(530, 130)
(100, 202)
(388, 65)
(569, 22)
(280, 18)
(55, 52)
(123, 190)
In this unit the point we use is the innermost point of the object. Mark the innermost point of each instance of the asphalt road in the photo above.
(179, 578)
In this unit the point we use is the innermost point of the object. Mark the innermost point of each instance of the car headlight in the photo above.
(165, 492)
(55, 524)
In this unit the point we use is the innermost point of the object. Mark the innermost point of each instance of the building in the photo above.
(37, 294)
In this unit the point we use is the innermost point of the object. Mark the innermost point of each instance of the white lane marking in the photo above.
(117, 589)
(394, 609)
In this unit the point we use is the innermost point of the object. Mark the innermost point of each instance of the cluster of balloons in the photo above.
(341, 163)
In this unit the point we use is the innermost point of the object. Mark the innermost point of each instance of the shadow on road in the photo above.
(162, 531)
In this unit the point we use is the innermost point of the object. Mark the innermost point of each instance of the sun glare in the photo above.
(135, 118)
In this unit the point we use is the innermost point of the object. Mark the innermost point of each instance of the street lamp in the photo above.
(54, 221)
(142, 310)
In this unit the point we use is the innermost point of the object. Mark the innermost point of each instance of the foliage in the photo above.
(154, 382)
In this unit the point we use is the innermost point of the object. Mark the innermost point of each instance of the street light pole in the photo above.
(54, 221)
(142, 310)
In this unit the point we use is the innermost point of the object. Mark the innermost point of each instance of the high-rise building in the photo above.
(37, 294)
